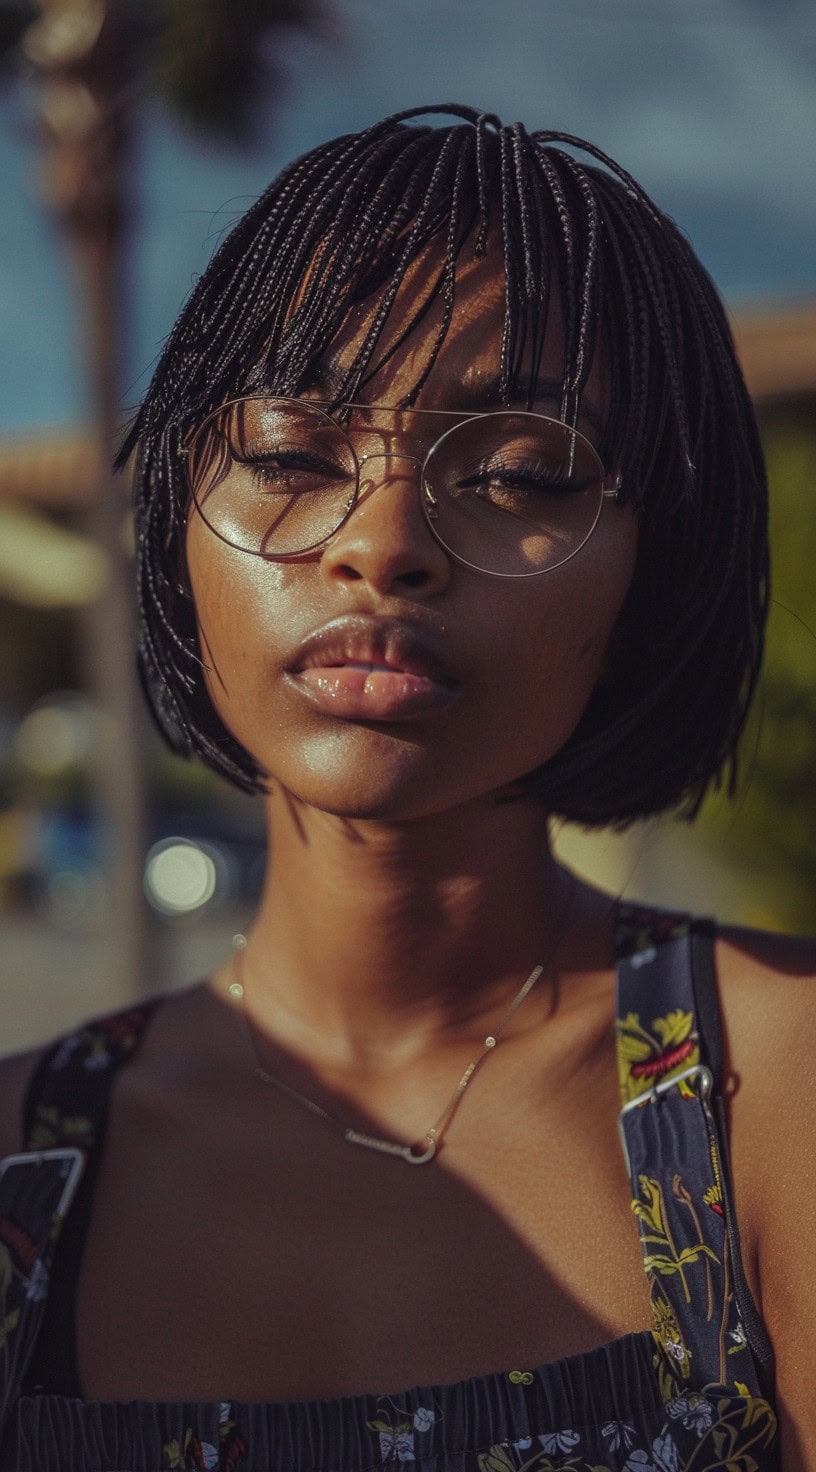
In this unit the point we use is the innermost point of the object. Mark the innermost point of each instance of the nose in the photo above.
(386, 541)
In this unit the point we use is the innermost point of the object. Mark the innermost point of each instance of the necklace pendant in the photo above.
(428, 1154)
(385, 1147)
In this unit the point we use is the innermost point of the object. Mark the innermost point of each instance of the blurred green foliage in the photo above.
(770, 832)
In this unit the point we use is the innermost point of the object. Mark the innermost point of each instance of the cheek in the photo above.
(581, 604)
(565, 632)
(236, 625)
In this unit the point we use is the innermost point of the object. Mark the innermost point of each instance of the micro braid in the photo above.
(575, 237)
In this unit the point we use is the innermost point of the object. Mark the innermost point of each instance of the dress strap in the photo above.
(35, 1193)
(64, 1120)
(669, 1051)
(67, 1098)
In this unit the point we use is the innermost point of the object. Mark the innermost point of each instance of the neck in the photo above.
(375, 942)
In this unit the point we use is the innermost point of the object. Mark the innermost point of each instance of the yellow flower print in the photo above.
(647, 1055)
(667, 1333)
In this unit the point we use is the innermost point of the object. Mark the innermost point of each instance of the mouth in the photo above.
(360, 668)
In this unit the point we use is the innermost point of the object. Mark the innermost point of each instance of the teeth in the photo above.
(358, 665)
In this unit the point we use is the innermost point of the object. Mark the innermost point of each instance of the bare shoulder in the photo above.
(16, 1072)
(767, 986)
(18, 1069)
(765, 954)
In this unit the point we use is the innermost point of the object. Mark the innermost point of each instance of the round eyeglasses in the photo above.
(509, 493)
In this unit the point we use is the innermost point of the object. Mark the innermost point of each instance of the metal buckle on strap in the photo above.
(653, 1095)
(72, 1158)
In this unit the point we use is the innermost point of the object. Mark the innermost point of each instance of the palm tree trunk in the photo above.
(82, 52)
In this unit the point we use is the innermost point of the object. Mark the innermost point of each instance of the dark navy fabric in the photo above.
(705, 1319)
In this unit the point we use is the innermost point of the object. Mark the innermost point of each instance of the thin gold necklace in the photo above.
(426, 1148)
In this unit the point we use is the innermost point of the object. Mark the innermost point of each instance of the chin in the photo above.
(371, 772)
(365, 795)
(363, 800)
(383, 811)
(396, 781)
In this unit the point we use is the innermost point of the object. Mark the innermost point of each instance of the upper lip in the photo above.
(389, 642)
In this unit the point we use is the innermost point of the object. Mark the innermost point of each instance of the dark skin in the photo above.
(239, 1247)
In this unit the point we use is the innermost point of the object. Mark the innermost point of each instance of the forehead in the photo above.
(465, 374)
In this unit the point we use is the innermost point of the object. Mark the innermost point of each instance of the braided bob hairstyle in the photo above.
(345, 221)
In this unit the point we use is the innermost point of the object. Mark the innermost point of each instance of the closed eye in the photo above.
(290, 469)
(537, 478)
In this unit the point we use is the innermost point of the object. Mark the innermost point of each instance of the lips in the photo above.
(362, 668)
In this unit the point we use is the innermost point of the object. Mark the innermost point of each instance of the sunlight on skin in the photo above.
(444, 883)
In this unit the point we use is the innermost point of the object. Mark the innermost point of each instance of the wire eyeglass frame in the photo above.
(607, 490)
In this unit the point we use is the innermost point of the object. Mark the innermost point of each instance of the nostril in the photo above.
(416, 579)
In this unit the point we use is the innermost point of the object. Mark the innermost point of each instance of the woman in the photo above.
(451, 518)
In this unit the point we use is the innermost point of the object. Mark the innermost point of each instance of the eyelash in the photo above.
(275, 465)
(533, 476)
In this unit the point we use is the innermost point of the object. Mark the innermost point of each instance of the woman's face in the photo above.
(476, 680)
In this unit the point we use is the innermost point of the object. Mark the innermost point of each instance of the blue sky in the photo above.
(710, 103)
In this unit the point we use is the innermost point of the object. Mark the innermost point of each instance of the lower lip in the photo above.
(372, 695)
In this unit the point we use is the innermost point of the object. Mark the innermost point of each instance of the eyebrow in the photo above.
(483, 391)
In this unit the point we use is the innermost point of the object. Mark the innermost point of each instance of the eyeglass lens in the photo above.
(506, 492)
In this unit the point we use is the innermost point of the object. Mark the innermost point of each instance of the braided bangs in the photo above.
(346, 221)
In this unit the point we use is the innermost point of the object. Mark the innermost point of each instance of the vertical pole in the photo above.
(82, 50)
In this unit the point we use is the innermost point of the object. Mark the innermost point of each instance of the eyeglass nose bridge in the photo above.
(388, 455)
(429, 501)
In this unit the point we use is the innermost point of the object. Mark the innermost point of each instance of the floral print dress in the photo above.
(692, 1395)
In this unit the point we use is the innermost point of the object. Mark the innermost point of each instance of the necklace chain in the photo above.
(426, 1149)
